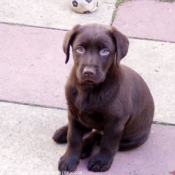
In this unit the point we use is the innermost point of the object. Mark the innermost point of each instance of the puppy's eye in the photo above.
(104, 52)
(80, 49)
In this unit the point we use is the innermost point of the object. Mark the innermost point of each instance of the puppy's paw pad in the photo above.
(99, 164)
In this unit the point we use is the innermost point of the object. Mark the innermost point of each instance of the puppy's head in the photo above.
(95, 48)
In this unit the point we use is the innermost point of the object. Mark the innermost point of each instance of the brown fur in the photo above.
(102, 95)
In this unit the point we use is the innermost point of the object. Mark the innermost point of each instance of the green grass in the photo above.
(163, 123)
(113, 15)
(120, 1)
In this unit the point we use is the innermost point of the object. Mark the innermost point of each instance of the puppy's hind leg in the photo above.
(89, 142)
(60, 135)
(128, 144)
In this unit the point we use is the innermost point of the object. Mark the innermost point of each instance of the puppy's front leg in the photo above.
(108, 147)
(69, 161)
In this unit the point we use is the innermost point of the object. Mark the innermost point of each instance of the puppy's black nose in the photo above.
(88, 72)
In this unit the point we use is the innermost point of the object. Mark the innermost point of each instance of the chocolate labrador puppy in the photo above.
(107, 100)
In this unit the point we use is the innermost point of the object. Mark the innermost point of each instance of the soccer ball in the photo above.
(84, 6)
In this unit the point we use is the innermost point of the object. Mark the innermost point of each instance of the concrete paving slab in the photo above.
(27, 148)
(26, 139)
(32, 66)
(148, 19)
(155, 61)
(52, 13)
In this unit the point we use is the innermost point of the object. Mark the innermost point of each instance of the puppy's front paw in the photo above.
(68, 163)
(99, 163)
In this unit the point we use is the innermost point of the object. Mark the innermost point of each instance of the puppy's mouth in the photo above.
(92, 81)
(89, 82)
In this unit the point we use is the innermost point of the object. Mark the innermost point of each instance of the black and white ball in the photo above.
(84, 6)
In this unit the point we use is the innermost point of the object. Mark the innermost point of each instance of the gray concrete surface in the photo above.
(26, 141)
(27, 147)
(52, 13)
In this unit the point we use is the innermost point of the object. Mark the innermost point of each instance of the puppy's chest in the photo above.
(94, 120)
(89, 110)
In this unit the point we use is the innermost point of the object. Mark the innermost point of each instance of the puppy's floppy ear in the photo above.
(68, 39)
(121, 44)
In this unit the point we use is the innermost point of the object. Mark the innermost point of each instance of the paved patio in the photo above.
(33, 75)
